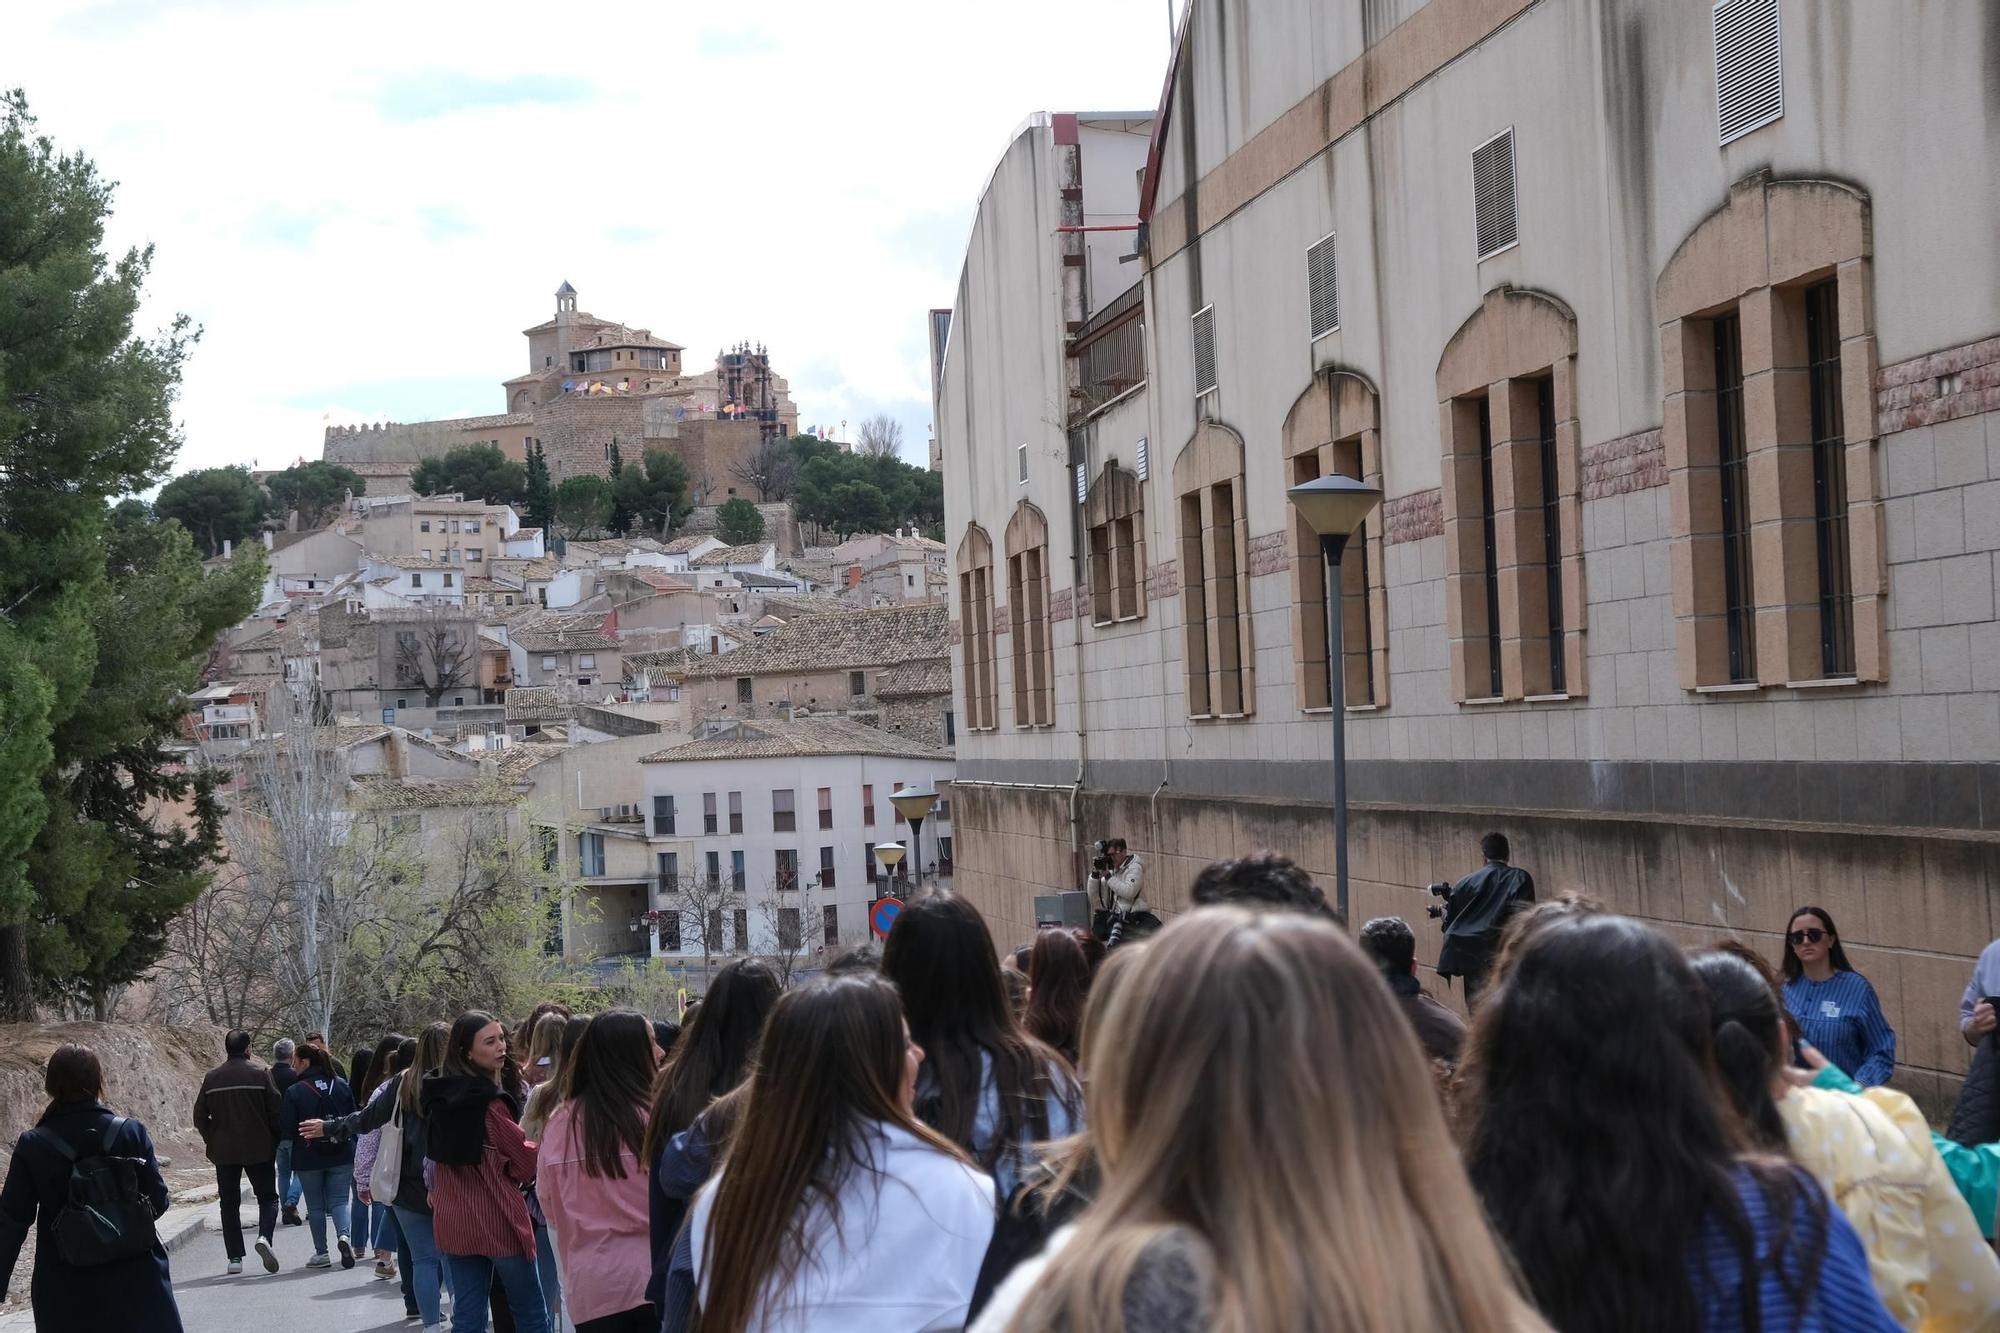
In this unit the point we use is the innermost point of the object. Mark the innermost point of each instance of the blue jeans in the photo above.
(288, 1184)
(327, 1190)
(425, 1267)
(382, 1230)
(545, 1267)
(473, 1275)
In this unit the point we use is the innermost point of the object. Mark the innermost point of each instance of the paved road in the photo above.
(323, 1300)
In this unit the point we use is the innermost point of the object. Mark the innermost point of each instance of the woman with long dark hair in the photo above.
(1872, 1153)
(1834, 1006)
(712, 1057)
(835, 1208)
(986, 1084)
(1058, 986)
(1611, 1167)
(591, 1175)
(135, 1293)
(325, 1168)
(480, 1162)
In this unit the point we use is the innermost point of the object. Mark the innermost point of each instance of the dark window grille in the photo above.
(1733, 472)
(1360, 548)
(1545, 401)
(1489, 521)
(1836, 599)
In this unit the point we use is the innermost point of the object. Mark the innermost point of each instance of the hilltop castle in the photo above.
(591, 383)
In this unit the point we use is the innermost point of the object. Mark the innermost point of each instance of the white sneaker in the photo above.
(235, 1267)
(319, 1261)
(264, 1253)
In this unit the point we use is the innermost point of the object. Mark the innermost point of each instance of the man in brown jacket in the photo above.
(237, 1114)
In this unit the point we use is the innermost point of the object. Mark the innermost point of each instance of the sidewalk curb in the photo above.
(178, 1228)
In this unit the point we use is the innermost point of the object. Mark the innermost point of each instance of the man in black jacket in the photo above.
(1392, 946)
(236, 1114)
(1476, 910)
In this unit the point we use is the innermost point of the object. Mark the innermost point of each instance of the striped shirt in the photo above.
(1842, 1301)
(479, 1209)
(1842, 1017)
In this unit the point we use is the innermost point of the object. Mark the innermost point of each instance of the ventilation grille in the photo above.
(1323, 286)
(1749, 67)
(1082, 484)
(1021, 464)
(1493, 193)
(1145, 463)
(1204, 350)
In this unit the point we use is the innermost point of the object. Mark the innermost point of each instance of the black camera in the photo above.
(1101, 861)
(1438, 890)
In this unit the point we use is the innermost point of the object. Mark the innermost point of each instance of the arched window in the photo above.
(1767, 350)
(1513, 512)
(975, 619)
(1116, 515)
(1332, 430)
(1028, 596)
(1215, 594)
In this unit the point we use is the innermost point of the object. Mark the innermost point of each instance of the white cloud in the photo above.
(364, 203)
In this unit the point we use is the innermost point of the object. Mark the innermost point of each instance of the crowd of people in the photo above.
(1246, 1121)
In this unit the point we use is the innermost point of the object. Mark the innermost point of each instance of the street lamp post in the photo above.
(1335, 507)
(915, 804)
(889, 854)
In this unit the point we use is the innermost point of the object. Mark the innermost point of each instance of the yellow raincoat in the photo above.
(1873, 1154)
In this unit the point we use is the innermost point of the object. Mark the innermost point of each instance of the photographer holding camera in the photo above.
(1115, 891)
(1475, 909)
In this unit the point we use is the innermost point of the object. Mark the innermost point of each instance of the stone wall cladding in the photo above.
(1062, 605)
(1002, 621)
(1163, 581)
(1942, 386)
(1619, 467)
(1413, 517)
(1699, 882)
(1267, 554)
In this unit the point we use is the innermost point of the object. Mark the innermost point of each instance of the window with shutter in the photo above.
(1204, 350)
(1749, 67)
(1323, 286)
(1493, 193)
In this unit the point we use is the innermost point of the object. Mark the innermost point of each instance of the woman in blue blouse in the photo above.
(1833, 1005)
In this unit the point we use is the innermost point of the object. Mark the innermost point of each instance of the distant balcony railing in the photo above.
(1111, 353)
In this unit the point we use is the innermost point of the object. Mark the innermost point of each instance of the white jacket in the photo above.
(904, 1257)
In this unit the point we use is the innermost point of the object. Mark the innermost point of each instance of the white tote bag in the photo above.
(387, 1176)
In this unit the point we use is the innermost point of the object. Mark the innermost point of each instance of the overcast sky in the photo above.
(363, 204)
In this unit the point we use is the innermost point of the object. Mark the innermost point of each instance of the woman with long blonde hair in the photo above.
(1272, 1155)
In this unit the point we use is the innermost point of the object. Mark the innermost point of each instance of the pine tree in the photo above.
(620, 521)
(90, 680)
(539, 499)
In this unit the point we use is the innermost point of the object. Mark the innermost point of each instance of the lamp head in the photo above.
(889, 853)
(1334, 506)
(914, 803)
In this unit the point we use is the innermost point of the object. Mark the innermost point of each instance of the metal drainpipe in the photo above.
(1075, 311)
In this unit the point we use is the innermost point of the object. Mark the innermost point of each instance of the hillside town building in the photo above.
(592, 383)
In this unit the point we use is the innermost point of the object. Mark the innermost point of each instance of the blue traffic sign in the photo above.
(883, 914)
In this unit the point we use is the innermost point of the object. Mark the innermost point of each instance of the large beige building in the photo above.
(1672, 334)
(590, 383)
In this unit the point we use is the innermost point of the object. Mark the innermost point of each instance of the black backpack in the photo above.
(108, 1216)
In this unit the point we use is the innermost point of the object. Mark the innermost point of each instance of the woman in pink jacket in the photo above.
(591, 1176)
